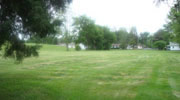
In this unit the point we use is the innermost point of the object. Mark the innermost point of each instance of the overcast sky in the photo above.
(143, 14)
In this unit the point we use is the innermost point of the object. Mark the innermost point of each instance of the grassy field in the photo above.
(92, 75)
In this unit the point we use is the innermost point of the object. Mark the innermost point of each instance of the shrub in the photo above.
(77, 47)
(160, 44)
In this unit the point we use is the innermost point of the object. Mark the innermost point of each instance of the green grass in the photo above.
(92, 75)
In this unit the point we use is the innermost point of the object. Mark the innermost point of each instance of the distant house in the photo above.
(139, 47)
(129, 47)
(173, 46)
(115, 46)
(70, 45)
(82, 46)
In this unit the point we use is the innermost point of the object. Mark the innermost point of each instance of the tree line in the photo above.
(96, 37)
(36, 18)
(101, 38)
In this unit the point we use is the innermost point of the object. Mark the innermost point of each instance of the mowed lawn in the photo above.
(92, 75)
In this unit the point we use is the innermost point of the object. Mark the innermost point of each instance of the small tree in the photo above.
(108, 38)
(143, 39)
(133, 37)
(77, 48)
(160, 44)
(122, 38)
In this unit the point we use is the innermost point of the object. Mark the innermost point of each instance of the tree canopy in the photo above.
(94, 37)
(174, 20)
(27, 18)
(122, 37)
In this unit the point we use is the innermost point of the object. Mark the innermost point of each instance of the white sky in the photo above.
(143, 14)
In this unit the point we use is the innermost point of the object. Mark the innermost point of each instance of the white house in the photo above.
(115, 46)
(70, 45)
(139, 47)
(173, 46)
(129, 47)
(82, 46)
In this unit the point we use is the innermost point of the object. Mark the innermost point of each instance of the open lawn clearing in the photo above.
(92, 75)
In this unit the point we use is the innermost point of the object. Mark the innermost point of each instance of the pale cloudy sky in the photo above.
(143, 14)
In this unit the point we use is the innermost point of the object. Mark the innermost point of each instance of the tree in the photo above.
(143, 39)
(51, 39)
(133, 37)
(174, 23)
(162, 34)
(160, 44)
(122, 38)
(88, 33)
(150, 41)
(27, 18)
(67, 38)
(108, 38)
(95, 37)
(174, 20)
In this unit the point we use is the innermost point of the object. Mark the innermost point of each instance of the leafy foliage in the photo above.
(122, 38)
(162, 34)
(160, 44)
(45, 40)
(174, 23)
(93, 36)
(27, 18)
(174, 20)
(108, 38)
(133, 37)
(143, 39)
(97, 37)
(77, 47)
